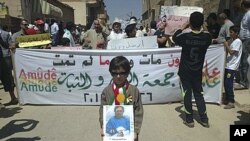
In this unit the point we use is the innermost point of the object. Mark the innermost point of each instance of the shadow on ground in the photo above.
(180, 109)
(16, 126)
(244, 118)
(9, 112)
(24, 139)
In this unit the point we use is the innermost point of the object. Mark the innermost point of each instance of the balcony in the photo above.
(92, 3)
(160, 2)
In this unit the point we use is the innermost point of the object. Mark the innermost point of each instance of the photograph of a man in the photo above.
(118, 125)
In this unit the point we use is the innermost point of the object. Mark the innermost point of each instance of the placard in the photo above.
(33, 40)
(176, 16)
(133, 43)
(118, 123)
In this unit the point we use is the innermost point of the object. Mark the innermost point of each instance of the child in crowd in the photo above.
(120, 92)
(194, 47)
(65, 42)
(233, 48)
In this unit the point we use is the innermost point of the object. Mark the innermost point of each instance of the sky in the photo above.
(123, 8)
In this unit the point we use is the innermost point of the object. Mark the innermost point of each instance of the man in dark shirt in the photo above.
(212, 25)
(194, 47)
(6, 67)
(161, 36)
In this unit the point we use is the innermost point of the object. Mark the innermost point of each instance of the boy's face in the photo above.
(119, 76)
(133, 33)
(117, 27)
(233, 34)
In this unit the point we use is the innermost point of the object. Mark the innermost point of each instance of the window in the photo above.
(177, 2)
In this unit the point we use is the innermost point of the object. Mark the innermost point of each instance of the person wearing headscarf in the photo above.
(68, 34)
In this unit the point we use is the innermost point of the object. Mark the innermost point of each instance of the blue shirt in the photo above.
(114, 123)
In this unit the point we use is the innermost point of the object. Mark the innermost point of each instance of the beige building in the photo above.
(87, 10)
(32, 9)
(64, 12)
(151, 8)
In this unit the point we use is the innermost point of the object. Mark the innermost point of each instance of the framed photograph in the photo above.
(118, 122)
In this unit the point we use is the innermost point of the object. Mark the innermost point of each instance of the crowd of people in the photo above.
(217, 29)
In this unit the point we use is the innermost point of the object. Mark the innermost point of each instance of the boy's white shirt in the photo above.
(233, 60)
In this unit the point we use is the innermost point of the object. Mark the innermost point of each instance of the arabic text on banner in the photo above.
(34, 40)
(134, 43)
(77, 77)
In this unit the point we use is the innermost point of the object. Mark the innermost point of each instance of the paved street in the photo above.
(80, 123)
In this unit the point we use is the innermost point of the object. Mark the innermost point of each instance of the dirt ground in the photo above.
(80, 123)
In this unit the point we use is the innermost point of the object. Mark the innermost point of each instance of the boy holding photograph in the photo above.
(120, 92)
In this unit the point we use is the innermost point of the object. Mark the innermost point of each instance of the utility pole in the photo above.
(149, 8)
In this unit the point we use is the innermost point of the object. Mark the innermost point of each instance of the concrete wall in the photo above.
(14, 7)
(150, 9)
(208, 5)
(86, 10)
(19, 8)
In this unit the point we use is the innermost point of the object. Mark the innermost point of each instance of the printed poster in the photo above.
(118, 123)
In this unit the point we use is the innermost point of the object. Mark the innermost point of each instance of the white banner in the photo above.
(78, 77)
(176, 16)
(134, 43)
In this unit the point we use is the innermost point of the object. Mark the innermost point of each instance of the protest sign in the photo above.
(176, 16)
(33, 40)
(134, 43)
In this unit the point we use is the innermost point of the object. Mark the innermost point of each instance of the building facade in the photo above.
(87, 10)
(151, 8)
(67, 11)
(32, 9)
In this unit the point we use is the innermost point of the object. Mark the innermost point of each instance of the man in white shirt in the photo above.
(140, 33)
(47, 26)
(54, 32)
(116, 32)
